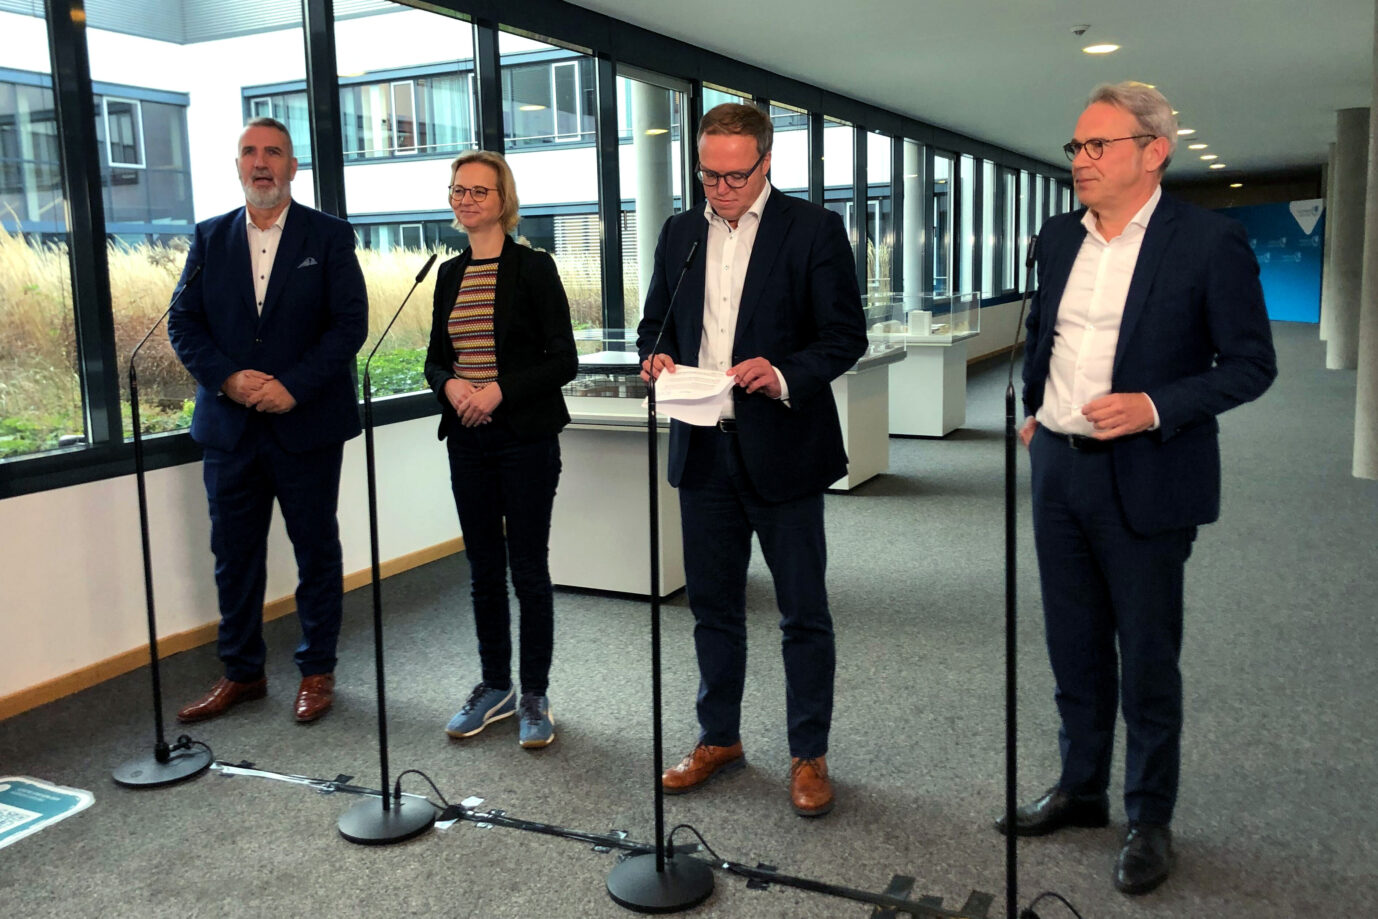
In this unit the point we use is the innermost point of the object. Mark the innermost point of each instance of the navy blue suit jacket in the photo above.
(1194, 336)
(313, 322)
(800, 310)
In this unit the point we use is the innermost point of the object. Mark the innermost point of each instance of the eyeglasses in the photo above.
(710, 178)
(477, 192)
(1095, 147)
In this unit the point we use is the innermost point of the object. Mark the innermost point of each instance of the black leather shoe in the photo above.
(1145, 859)
(1058, 809)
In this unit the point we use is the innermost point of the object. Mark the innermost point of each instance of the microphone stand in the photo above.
(187, 758)
(1011, 615)
(394, 820)
(647, 883)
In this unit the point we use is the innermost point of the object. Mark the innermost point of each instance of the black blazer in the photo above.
(1195, 337)
(535, 341)
(800, 310)
(314, 319)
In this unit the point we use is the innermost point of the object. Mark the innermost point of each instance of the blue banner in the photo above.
(1287, 239)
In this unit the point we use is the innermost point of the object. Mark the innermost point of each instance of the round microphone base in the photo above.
(636, 885)
(146, 772)
(368, 824)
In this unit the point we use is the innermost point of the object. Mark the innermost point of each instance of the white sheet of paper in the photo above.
(692, 395)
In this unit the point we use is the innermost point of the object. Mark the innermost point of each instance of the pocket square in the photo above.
(307, 262)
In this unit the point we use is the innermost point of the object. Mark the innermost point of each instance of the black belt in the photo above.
(1080, 442)
(727, 425)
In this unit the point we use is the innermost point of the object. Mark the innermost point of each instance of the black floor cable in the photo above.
(976, 907)
(1028, 911)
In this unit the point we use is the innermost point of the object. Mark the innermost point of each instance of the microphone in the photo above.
(684, 269)
(420, 276)
(1029, 258)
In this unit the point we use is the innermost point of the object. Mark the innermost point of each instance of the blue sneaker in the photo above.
(485, 705)
(538, 728)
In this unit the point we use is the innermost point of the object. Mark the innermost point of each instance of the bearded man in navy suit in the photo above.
(270, 329)
(1148, 323)
(772, 301)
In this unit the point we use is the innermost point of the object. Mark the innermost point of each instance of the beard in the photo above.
(266, 198)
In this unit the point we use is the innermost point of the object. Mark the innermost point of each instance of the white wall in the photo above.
(74, 593)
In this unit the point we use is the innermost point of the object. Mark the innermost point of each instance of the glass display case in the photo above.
(922, 318)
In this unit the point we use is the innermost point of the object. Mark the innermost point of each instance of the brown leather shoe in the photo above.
(809, 789)
(700, 766)
(315, 696)
(223, 694)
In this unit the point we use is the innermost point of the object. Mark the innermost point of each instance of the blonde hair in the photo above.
(507, 186)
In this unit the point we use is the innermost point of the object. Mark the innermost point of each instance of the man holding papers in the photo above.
(772, 302)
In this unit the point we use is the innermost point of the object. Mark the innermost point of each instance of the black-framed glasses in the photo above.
(709, 178)
(477, 192)
(1095, 146)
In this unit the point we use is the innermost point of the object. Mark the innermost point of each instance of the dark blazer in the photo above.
(1195, 337)
(534, 339)
(313, 322)
(800, 310)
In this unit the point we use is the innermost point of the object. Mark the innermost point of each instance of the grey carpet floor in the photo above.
(1276, 819)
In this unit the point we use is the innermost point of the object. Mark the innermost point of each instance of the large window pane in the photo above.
(944, 173)
(966, 245)
(554, 160)
(1009, 239)
(838, 175)
(406, 109)
(789, 157)
(652, 170)
(989, 229)
(880, 231)
(40, 387)
(150, 166)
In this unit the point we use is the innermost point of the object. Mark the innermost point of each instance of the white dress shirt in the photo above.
(263, 250)
(1088, 322)
(725, 262)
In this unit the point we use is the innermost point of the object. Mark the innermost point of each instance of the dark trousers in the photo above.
(719, 511)
(495, 476)
(241, 485)
(1106, 587)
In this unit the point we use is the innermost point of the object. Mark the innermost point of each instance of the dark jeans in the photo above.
(240, 486)
(497, 476)
(719, 511)
(1112, 607)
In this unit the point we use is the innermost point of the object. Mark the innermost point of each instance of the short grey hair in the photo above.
(264, 121)
(1148, 106)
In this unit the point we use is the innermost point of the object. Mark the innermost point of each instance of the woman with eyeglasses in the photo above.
(501, 347)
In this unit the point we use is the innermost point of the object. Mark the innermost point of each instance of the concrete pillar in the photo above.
(1347, 248)
(1327, 267)
(1366, 380)
(655, 194)
(915, 233)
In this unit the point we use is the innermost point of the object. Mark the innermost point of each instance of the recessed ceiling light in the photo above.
(1101, 49)
(1236, 184)
(1175, 112)
(531, 107)
(652, 132)
(1209, 156)
(1197, 146)
(1183, 132)
(1217, 165)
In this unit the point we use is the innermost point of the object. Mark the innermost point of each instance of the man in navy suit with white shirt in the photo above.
(1148, 323)
(772, 301)
(270, 329)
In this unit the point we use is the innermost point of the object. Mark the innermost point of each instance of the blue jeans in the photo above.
(497, 476)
